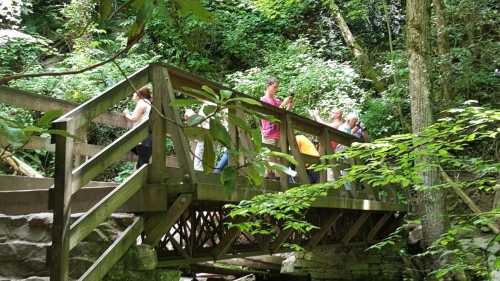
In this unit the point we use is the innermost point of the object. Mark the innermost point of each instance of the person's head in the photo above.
(336, 114)
(142, 93)
(352, 120)
(272, 86)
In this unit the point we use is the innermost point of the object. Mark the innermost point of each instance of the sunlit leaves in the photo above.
(194, 7)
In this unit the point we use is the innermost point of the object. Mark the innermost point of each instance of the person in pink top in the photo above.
(271, 131)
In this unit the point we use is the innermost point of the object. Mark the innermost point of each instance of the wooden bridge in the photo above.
(179, 211)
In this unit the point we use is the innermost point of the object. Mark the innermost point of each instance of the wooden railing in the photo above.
(166, 81)
(69, 179)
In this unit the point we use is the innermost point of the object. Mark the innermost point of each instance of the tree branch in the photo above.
(5, 79)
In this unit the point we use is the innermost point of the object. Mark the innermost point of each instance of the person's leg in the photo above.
(313, 176)
(143, 153)
(223, 162)
(198, 156)
(269, 173)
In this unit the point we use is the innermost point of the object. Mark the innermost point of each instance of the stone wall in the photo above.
(25, 240)
(341, 263)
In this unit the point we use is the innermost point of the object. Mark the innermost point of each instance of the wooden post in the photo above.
(157, 124)
(300, 167)
(174, 125)
(59, 255)
(81, 134)
(284, 149)
(324, 149)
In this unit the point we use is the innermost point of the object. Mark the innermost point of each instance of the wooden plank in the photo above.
(59, 251)
(13, 183)
(355, 228)
(36, 102)
(151, 199)
(178, 247)
(113, 254)
(157, 124)
(283, 143)
(380, 223)
(109, 204)
(324, 229)
(300, 167)
(84, 149)
(97, 105)
(160, 223)
(324, 149)
(240, 253)
(175, 130)
(226, 242)
(111, 154)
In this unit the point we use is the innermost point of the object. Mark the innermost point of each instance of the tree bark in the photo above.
(357, 50)
(431, 201)
(443, 51)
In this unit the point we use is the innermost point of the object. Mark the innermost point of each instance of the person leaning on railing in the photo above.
(271, 131)
(141, 112)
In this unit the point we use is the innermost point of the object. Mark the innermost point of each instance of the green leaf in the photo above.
(195, 8)
(280, 168)
(239, 122)
(228, 178)
(209, 109)
(246, 100)
(194, 132)
(288, 157)
(201, 94)
(226, 94)
(256, 172)
(208, 153)
(144, 11)
(14, 136)
(209, 90)
(184, 102)
(219, 132)
(48, 117)
(195, 119)
(257, 138)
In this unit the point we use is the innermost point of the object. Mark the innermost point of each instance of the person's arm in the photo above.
(139, 110)
(317, 118)
(287, 103)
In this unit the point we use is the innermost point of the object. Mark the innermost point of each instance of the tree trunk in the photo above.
(443, 51)
(431, 201)
(358, 51)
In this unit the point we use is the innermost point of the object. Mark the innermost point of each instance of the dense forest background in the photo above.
(349, 54)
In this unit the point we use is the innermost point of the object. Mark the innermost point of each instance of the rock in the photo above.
(22, 259)
(141, 257)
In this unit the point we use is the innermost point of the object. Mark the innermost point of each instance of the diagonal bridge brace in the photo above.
(157, 225)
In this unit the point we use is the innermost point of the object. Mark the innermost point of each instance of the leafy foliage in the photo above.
(388, 163)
